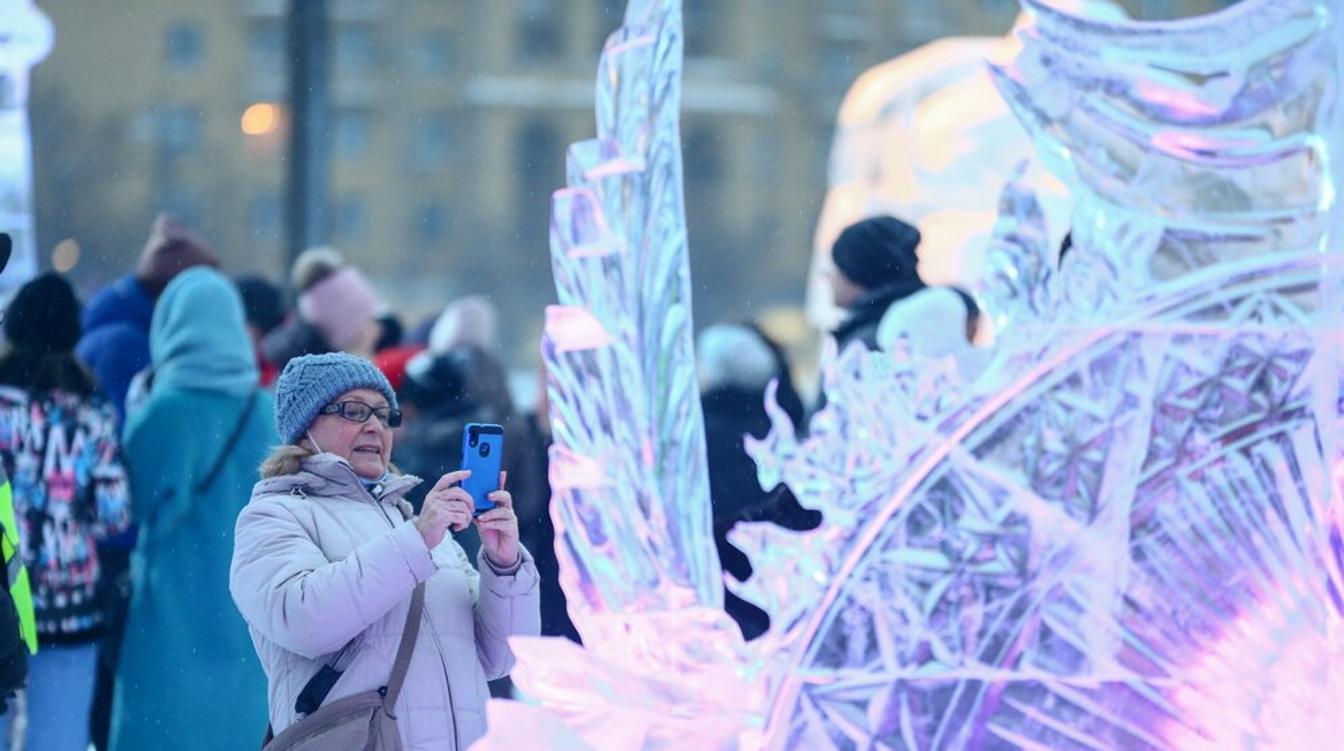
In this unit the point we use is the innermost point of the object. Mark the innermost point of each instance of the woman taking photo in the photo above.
(327, 559)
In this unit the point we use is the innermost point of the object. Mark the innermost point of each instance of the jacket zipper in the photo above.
(425, 620)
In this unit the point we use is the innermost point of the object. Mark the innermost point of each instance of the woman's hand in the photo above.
(447, 505)
(499, 528)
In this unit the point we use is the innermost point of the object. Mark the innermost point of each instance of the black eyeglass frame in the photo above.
(342, 409)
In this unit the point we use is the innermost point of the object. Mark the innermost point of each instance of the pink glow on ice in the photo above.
(1267, 685)
(1193, 144)
(574, 329)
(569, 471)
(1183, 103)
(585, 233)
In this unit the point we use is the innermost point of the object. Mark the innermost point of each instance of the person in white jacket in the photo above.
(326, 557)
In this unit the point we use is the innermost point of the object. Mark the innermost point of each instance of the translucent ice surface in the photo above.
(1125, 535)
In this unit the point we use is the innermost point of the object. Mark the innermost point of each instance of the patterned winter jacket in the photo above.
(70, 491)
(319, 561)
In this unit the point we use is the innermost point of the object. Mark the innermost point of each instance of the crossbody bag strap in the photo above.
(408, 636)
(210, 476)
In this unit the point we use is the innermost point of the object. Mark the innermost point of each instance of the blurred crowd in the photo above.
(130, 439)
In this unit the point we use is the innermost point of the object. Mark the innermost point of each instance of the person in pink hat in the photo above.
(337, 311)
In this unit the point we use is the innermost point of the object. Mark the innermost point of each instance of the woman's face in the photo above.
(366, 445)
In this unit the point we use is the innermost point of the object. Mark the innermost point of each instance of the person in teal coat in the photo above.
(188, 675)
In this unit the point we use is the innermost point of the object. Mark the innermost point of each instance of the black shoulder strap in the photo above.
(209, 479)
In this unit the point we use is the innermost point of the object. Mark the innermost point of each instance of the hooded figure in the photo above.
(116, 322)
(188, 675)
(876, 264)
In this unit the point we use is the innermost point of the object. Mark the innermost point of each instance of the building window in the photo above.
(540, 30)
(703, 156)
(264, 214)
(702, 20)
(432, 54)
(178, 129)
(539, 168)
(266, 49)
(429, 224)
(837, 66)
(353, 130)
(431, 143)
(352, 219)
(183, 46)
(356, 51)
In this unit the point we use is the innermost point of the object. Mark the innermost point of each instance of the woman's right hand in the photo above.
(446, 506)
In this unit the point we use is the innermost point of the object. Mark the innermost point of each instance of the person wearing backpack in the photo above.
(59, 447)
(372, 626)
(188, 676)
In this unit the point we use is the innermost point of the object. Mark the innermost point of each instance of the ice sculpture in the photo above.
(915, 137)
(25, 39)
(1126, 536)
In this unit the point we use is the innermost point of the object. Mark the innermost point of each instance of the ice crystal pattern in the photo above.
(1126, 535)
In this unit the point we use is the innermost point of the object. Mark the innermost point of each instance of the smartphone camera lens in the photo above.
(485, 449)
(472, 437)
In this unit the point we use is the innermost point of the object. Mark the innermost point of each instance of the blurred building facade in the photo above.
(449, 123)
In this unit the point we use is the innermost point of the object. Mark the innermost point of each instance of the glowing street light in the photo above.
(260, 119)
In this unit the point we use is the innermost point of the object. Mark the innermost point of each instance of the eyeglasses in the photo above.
(361, 412)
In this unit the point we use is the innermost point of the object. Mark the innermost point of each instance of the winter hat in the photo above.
(44, 316)
(342, 306)
(470, 321)
(311, 382)
(729, 355)
(263, 303)
(393, 362)
(170, 250)
(313, 265)
(877, 251)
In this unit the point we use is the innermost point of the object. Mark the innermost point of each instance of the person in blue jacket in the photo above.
(188, 676)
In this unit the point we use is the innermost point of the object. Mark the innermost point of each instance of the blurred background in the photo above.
(447, 132)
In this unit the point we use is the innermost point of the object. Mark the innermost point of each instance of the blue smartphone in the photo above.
(482, 452)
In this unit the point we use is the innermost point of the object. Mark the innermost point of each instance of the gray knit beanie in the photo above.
(311, 382)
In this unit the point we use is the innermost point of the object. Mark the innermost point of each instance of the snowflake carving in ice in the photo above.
(1125, 535)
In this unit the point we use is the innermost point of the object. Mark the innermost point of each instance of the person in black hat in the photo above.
(42, 327)
(875, 265)
(64, 510)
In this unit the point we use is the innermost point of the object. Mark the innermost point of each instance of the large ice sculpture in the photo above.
(1126, 536)
(915, 137)
(25, 39)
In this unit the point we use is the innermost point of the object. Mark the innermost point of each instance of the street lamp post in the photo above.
(309, 145)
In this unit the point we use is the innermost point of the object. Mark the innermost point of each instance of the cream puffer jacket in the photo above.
(319, 561)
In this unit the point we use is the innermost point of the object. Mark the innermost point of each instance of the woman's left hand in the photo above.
(499, 528)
